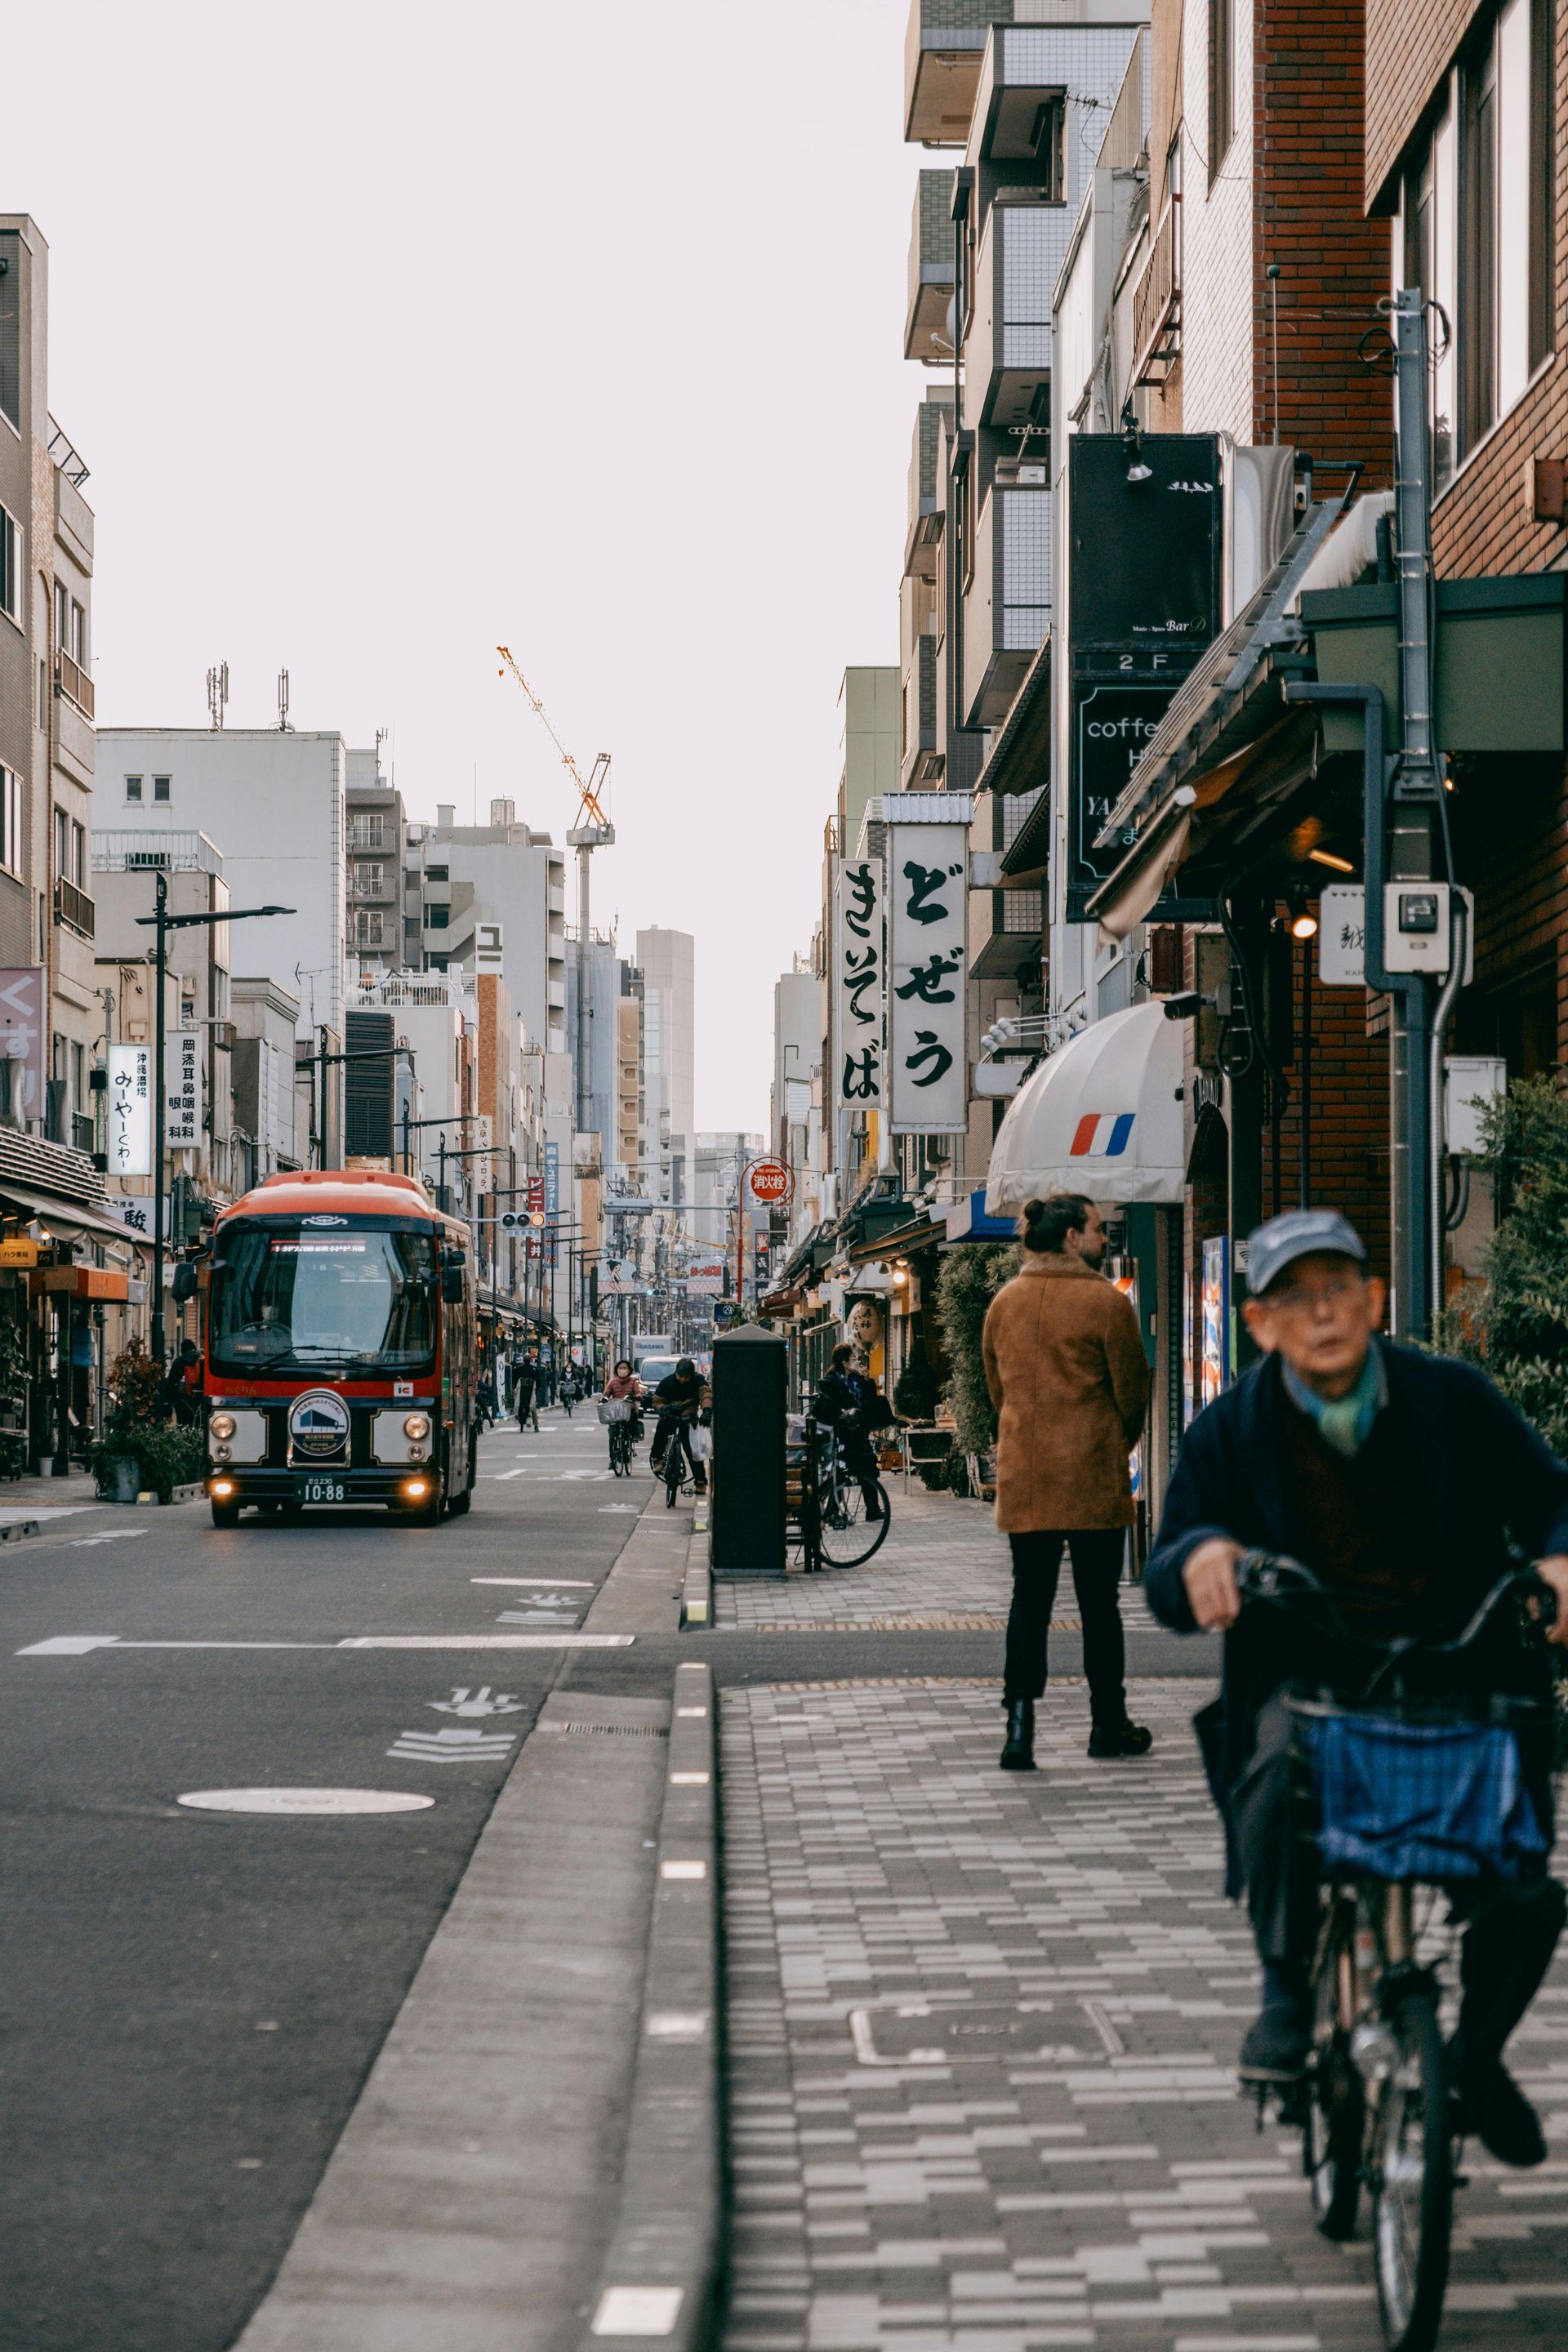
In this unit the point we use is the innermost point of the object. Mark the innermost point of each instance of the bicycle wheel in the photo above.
(1413, 2179)
(845, 1536)
(1335, 2122)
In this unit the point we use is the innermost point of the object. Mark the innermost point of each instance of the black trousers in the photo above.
(1095, 1574)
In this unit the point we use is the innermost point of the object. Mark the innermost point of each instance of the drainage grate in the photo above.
(614, 1730)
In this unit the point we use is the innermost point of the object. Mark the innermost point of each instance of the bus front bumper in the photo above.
(342, 1489)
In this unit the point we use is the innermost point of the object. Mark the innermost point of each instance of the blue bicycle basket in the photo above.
(1420, 1801)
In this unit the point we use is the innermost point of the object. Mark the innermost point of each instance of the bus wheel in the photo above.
(459, 1503)
(226, 1515)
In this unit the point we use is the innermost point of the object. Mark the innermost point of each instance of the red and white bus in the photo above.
(340, 1350)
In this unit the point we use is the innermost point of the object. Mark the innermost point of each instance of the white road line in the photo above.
(77, 1645)
(556, 1583)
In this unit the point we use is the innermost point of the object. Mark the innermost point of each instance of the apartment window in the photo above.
(62, 617)
(370, 881)
(1222, 82)
(78, 855)
(160, 788)
(437, 919)
(10, 566)
(10, 820)
(43, 692)
(133, 788)
(62, 847)
(435, 874)
(1476, 227)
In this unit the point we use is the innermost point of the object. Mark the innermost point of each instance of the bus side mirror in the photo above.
(184, 1284)
(452, 1286)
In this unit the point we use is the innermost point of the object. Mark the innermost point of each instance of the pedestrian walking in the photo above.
(1065, 1366)
(524, 1391)
(183, 1385)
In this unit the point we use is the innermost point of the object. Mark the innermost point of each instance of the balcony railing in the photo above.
(74, 683)
(373, 931)
(368, 834)
(74, 908)
(1157, 302)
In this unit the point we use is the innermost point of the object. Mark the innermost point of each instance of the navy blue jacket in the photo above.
(1481, 1475)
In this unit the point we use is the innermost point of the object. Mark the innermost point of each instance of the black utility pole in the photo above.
(164, 923)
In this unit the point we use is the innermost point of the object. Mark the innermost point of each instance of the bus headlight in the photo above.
(222, 1424)
(221, 1489)
(416, 1489)
(416, 1425)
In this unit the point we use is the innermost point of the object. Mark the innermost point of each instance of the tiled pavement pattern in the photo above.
(943, 1569)
(981, 2034)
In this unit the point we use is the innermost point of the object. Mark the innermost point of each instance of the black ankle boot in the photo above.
(1018, 1754)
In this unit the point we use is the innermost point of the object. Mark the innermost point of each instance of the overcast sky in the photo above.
(389, 332)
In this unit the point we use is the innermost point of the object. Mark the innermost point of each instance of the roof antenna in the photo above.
(283, 726)
(217, 692)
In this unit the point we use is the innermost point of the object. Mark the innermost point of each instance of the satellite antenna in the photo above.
(283, 726)
(217, 692)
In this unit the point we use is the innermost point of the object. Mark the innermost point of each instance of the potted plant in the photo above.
(139, 1450)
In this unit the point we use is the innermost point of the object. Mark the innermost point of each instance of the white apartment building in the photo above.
(470, 879)
(666, 960)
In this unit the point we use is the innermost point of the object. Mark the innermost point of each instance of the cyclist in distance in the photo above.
(1398, 1477)
(853, 1407)
(682, 1396)
(624, 1384)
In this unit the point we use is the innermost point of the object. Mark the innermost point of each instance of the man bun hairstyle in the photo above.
(1045, 1224)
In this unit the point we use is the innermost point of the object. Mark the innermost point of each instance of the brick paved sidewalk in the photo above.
(982, 2029)
(943, 1569)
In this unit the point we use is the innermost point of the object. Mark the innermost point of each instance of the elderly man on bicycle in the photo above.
(1399, 1479)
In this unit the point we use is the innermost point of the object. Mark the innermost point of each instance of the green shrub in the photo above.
(917, 1388)
(1516, 1326)
(969, 1281)
(136, 1428)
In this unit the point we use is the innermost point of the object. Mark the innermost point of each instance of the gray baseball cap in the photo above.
(1299, 1232)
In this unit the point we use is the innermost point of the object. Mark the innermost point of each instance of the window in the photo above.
(78, 646)
(160, 788)
(1475, 228)
(435, 874)
(62, 617)
(132, 788)
(1222, 82)
(78, 855)
(43, 692)
(437, 919)
(11, 560)
(10, 820)
(62, 850)
(369, 881)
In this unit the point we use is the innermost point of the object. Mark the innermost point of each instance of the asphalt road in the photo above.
(190, 2000)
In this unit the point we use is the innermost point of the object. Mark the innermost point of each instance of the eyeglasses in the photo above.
(1304, 1303)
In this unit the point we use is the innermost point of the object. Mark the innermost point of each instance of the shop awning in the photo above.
(918, 1234)
(1102, 1116)
(66, 1219)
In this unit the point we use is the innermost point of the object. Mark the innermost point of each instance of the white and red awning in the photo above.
(1102, 1116)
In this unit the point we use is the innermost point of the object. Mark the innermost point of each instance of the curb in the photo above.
(697, 1587)
(14, 1529)
(660, 2275)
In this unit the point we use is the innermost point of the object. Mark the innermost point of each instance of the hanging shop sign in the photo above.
(1145, 540)
(928, 963)
(130, 1102)
(769, 1183)
(183, 1086)
(22, 1036)
(552, 1203)
(859, 985)
(20, 1252)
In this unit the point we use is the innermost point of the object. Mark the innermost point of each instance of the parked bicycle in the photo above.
(1400, 1796)
(840, 1527)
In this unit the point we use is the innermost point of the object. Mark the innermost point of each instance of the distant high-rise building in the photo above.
(666, 960)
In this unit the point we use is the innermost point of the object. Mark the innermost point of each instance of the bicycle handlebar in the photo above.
(1273, 1577)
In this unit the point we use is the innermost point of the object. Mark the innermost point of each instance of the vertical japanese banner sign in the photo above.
(130, 1110)
(859, 990)
(927, 885)
(551, 1197)
(22, 1038)
(183, 1079)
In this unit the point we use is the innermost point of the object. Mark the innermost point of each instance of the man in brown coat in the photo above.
(1064, 1362)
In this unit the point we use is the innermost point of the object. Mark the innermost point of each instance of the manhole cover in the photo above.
(305, 1801)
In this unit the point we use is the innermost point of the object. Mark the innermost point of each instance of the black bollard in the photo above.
(750, 1383)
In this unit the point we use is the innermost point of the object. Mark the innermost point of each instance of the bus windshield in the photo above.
(361, 1299)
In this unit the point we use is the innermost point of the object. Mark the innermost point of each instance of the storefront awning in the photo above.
(1102, 1116)
(66, 1219)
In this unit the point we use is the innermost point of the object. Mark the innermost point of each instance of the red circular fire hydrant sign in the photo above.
(770, 1182)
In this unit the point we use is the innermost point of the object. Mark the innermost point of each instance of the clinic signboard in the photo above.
(1145, 546)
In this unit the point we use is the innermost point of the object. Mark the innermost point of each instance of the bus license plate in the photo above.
(321, 1490)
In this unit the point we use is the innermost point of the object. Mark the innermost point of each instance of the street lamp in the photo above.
(164, 923)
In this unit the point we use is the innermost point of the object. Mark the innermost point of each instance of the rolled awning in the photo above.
(67, 1220)
(1102, 1116)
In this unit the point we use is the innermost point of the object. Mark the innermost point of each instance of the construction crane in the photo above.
(593, 830)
